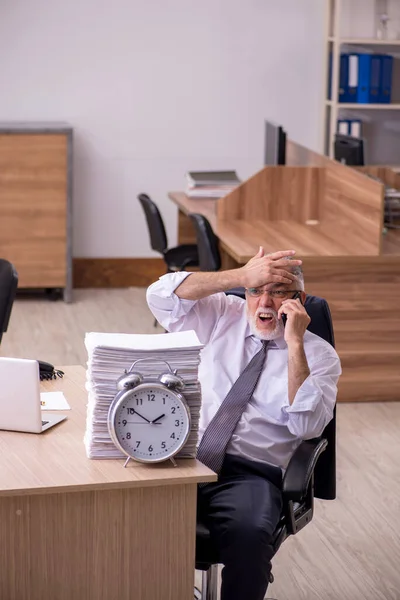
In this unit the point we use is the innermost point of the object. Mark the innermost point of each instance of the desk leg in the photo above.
(129, 544)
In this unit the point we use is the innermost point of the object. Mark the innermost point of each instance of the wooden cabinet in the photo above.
(36, 203)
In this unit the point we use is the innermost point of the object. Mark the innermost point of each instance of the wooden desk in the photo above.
(239, 240)
(340, 265)
(89, 529)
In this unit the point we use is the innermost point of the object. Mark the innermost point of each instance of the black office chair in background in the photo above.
(311, 473)
(207, 244)
(8, 289)
(177, 258)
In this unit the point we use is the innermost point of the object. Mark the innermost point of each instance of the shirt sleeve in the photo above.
(313, 405)
(177, 314)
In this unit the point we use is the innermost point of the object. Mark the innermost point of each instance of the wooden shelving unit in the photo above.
(333, 110)
(355, 106)
(36, 204)
(366, 42)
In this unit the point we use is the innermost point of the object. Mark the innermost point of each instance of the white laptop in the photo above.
(20, 397)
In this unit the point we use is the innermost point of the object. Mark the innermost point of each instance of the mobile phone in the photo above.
(284, 316)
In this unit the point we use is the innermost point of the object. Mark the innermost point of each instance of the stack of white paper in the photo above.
(110, 354)
(210, 184)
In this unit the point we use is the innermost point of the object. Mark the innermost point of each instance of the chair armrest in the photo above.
(301, 468)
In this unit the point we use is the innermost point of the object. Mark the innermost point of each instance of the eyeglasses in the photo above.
(276, 294)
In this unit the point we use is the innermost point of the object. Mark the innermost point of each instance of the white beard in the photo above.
(278, 330)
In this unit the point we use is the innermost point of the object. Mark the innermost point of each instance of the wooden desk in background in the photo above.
(239, 240)
(346, 258)
(322, 211)
(89, 529)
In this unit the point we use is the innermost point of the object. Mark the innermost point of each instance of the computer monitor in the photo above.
(274, 144)
(349, 150)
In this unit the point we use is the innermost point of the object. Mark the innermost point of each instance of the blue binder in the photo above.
(385, 90)
(344, 78)
(364, 78)
(375, 80)
(343, 126)
(355, 128)
(353, 77)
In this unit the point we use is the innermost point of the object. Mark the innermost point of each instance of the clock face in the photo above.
(150, 423)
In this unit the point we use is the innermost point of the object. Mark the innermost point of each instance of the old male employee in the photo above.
(265, 387)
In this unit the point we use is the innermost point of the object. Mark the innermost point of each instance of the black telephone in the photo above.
(284, 316)
(47, 371)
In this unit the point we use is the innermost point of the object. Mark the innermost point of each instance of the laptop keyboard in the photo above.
(44, 423)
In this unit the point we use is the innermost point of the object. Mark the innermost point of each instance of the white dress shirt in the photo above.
(270, 429)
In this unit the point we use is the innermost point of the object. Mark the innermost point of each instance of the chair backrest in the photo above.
(155, 224)
(207, 244)
(8, 288)
(325, 470)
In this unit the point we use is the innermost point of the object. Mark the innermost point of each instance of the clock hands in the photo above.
(145, 419)
(141, 416)
(141, 423)
(158, 418)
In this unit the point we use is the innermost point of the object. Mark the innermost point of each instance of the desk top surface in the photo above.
(242, 239)
(34, 127)
(204, 206)
(55, 461)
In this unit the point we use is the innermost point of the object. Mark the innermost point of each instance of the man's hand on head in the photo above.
(272, 268)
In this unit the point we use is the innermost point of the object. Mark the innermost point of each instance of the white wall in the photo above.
(153, 88)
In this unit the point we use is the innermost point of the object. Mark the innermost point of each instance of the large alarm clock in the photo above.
(149, 419)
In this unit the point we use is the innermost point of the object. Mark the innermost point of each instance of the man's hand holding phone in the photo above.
(295, 318)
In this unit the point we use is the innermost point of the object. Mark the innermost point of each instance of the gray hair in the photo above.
(297, 271)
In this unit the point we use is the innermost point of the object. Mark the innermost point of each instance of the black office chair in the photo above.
(311, 473)
(8, 288)
(176, 259)
(207, 244)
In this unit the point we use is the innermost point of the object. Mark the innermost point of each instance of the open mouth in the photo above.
(266, 317)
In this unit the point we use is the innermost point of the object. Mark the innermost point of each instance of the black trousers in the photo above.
(242, 511)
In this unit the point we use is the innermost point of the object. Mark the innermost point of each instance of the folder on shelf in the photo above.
(355, 128)
(353, 77)
(351, 127)
(385, 88)
(375, 78)
(343, 126)
(364, 78)
(369, 77)
(344, 78)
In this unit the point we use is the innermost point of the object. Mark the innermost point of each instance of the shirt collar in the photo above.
(278, 342)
